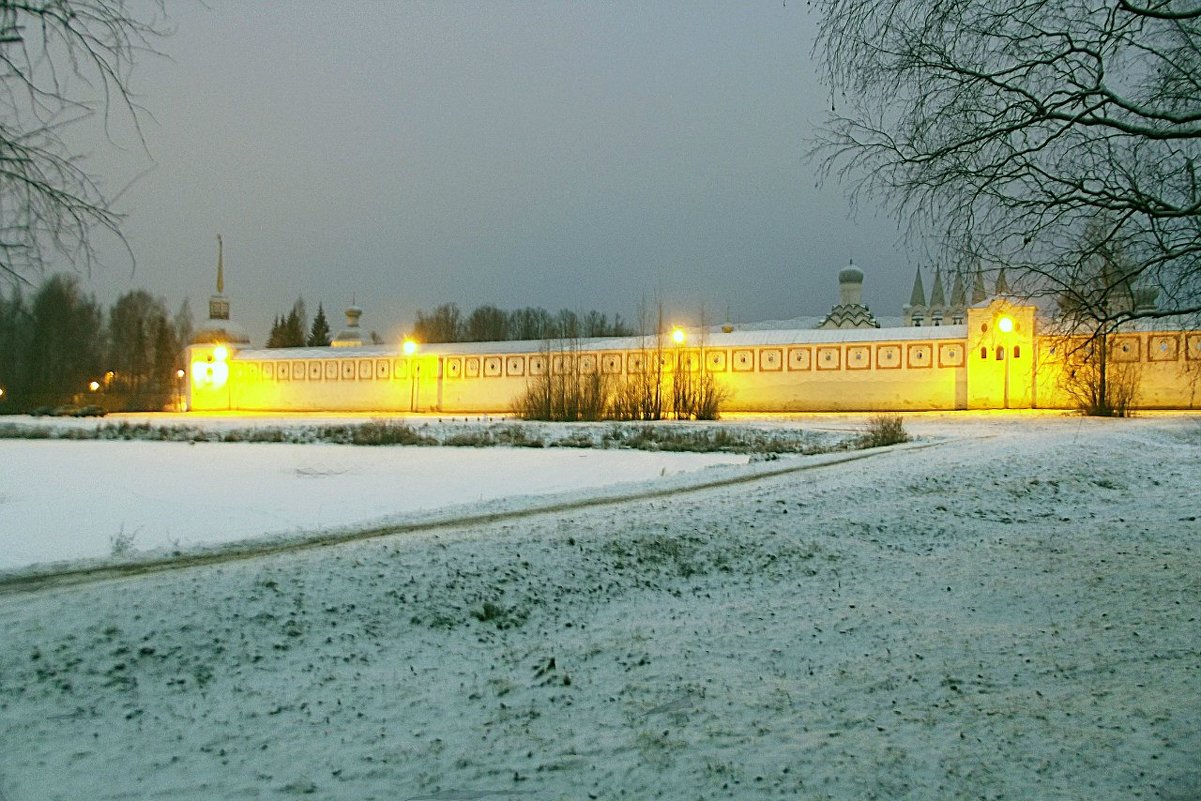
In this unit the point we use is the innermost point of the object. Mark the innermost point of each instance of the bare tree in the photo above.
(61, 62)
(1003, 129)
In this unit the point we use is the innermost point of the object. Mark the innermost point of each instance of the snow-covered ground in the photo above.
(1011, 612)
(71, 500)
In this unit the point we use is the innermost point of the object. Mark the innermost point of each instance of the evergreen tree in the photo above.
(288, 330)
(276, 337)
(319, 334)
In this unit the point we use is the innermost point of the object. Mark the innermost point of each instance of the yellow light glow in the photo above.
(209, 375)
(410, 347)
(220, 353)
(180, 373)
(1005, 324)
(93, 385)
(677, 335)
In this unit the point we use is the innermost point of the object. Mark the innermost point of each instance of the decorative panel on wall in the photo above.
(253, 372)
(743, 360)
(888, 357)
(238, 371)
(799, 359)
(348, 371)
(1125, 349)
(1192, 348)
(1163, 348)
(636, 362)
(561, 363)
(610, 363)
(492, 366)
(383, 369)
(690, 360)
(471, 367)
(514, 365)
(268, 371)
(366, 369)
(771, 360)
(315, 371)
(918, 356)
(950, 354)
(716, 361)
(587, 363)
(299, 371)
(859, 357)
(453, 367)
(400, 368)
(331, 370)
(283, 371)
(667, 361)
(829, 358)
(538, 365)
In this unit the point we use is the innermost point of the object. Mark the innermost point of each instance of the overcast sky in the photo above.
(565, 155)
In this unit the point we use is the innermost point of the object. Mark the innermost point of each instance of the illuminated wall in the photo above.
(994, 360)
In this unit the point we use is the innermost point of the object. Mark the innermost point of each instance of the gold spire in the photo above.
(220, 266)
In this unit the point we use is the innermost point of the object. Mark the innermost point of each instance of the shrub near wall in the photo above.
(566, 393)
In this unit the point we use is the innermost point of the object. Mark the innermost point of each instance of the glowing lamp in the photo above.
(1005, 324)
(93, 385)
(677, 335)
(410, 347)
(220, 353)
(210, 375)
(179, 373)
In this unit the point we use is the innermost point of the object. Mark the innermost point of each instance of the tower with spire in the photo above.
(218, 327)
(938, 299)
(914, 312)
(958, 305)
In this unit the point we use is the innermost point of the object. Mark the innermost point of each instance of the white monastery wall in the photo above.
(982, 364)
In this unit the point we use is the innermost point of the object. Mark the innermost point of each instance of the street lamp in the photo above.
(410, 348)
(1005, 326)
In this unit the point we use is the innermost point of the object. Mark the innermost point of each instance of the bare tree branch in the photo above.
(61, 62)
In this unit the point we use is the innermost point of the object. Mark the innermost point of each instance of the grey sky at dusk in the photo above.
(580, 156)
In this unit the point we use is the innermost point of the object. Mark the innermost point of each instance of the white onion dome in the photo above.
(850, 275)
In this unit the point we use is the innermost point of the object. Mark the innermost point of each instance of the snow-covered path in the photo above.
(1011, 618)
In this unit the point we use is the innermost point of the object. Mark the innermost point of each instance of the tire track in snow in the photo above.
(251, 549)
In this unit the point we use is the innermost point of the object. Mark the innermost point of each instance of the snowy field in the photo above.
(73, 500)
(1010, 612)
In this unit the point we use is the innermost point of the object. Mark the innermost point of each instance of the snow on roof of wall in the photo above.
(709, 339)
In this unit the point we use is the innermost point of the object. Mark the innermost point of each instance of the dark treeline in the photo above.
(57, 342)
(289, 330)
(490, 324)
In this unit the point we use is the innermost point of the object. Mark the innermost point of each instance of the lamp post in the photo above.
(679, 387)
(410, 347)
(1005, 326)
